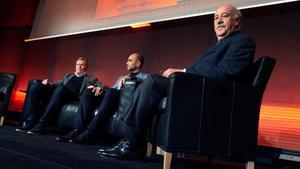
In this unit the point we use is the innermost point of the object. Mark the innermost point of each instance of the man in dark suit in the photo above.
(231, 58)
(84, 128)
(69, 88)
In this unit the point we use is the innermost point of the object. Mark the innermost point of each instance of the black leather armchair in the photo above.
(209, 116)
(115, 127)
(7, 81)
(66, 116)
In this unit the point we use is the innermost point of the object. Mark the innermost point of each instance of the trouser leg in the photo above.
(60, 96)
(144, 104)
(105, 110)
(87, 105)
(39, 94)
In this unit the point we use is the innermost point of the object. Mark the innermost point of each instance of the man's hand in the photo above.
(45, 82)
(169, 71)
(121, 82)
(96, 90)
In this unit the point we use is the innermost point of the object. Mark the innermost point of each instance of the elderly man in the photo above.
(84, 131)
(231, 58)
(69, 88)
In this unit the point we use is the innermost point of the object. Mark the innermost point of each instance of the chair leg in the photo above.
(149, 149)
(250, 165)
(159, 151)
(1, 120)
(167, 160)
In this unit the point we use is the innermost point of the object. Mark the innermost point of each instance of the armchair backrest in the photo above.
(263, 68)
(125, 95)
(7, 81)
(8, 78)
(115, 127)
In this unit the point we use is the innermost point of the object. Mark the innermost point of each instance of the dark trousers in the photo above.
(61, 95)
(107, 103)
(144, 104)
(41, 100)
(37, 98)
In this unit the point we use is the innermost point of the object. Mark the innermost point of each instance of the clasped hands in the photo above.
(96, 90)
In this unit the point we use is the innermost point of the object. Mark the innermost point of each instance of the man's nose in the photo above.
(220, 20)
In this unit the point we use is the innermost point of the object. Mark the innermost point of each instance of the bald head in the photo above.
(135, 62)
(227, 20)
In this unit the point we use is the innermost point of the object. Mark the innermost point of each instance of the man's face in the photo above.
(224, 21)
(132, 62)
(81, 66)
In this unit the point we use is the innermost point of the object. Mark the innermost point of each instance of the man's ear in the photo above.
(237, 23)
(138, 64)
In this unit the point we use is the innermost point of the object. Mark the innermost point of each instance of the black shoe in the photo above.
(38, 129)
(100, 150)
(25, 127)
(127, 150)
(70, 135)
(83, 138)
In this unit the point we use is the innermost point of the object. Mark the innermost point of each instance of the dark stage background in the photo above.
(168, 44)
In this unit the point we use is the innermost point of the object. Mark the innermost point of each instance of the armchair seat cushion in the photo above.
(66, 116)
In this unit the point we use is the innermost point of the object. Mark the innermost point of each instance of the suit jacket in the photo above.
(230, 59)
(87, 80)
(140, 77)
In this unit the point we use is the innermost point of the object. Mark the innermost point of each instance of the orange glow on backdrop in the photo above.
(17, 100)
(279, 127)
(106, 9)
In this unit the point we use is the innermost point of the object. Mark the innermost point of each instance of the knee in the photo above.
(150, 80)
(87, 93)
(111, 92)
(36, 88)
(59, 89)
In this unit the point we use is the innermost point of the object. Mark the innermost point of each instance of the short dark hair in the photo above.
(84, 59)
(140, 58)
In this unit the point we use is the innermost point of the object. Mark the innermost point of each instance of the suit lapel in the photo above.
(84, 83)
(68, 79)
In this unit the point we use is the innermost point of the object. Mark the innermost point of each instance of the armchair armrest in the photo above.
(4, 88)
(200, 114)
(190, 99)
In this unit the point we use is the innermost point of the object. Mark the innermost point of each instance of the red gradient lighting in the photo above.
(279, 127)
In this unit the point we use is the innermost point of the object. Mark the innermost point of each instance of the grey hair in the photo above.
(238, 14)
